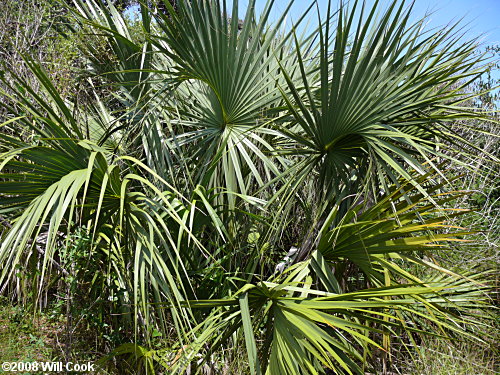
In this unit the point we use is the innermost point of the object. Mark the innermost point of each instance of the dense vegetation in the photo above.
(185, 191)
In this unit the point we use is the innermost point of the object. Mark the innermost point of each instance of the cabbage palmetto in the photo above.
(233, 141)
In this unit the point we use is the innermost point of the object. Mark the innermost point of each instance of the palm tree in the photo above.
(256, 185)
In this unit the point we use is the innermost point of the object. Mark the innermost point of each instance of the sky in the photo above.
(481, 17)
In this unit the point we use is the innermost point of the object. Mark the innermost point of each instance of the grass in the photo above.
(26, 340)
(442, 358)
(41, 337)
